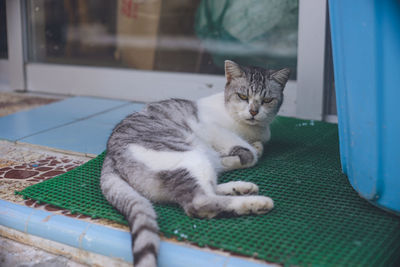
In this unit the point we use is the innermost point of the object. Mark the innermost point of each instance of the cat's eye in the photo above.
(267, 100)
(242, 96)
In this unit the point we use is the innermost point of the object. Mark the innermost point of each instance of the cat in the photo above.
(173, 150)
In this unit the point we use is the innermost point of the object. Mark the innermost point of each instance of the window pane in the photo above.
(181, 36)
(3, 30)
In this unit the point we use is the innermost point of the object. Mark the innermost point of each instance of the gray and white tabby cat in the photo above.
(173, 150)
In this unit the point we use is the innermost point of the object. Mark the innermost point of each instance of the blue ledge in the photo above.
(104, 240)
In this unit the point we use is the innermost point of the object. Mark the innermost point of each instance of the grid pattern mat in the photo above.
(318, 218)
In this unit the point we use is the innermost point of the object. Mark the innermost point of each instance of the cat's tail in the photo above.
(139, 213)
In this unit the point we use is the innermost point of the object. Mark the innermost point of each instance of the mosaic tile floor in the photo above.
(22, 165)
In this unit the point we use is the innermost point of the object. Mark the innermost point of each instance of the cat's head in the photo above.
(253, 95)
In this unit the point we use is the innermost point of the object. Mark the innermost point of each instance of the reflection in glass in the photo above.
(181, 36)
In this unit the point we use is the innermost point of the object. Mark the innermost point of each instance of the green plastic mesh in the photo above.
(318, 218)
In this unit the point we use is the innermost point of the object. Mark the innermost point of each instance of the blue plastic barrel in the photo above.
(366, 56)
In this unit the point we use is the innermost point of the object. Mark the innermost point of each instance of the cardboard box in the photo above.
(152, 34)
(137, 29)
(178, 47)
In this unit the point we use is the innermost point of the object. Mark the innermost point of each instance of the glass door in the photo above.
(145, 50)
(175, 36)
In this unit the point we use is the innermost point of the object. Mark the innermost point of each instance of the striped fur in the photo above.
(173, 151)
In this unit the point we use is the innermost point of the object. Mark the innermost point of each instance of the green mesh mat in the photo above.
(318, 218)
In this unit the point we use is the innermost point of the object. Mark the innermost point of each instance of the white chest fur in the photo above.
(212, 111)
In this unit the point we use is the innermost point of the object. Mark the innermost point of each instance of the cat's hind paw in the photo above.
(237, 188)
(252, 205)
(261, 205)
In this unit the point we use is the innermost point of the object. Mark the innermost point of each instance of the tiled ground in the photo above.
(39, 143)
(13, 254)
(24, 165)
(21, 166)
(79, 124)
(12, 102)
(43, 167)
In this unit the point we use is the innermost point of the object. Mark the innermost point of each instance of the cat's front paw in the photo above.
(239, 157)
(231, 162)
(259, 148)
(246, 156)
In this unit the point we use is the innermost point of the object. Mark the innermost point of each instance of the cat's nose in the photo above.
(253, 112)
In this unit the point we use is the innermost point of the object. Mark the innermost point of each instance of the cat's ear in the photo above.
(281, 76)
(232, 70)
